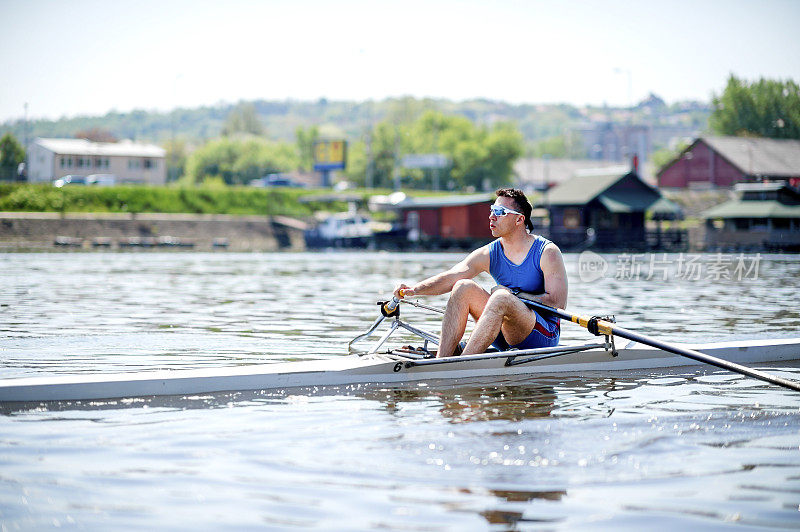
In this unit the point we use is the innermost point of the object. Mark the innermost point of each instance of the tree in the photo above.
(176, 158)
(305, 146)
(96, 134)
(357, 161)
(566, 146)
(243, 119)
(480, 157)
(386, 139)
(664, 156)
(238, 161)
(12, 154)
(765, 108)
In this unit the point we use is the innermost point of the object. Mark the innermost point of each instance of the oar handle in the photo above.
(390, 305)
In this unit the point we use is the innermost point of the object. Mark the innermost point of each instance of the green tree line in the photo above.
(764, 108)
(280, 119)
(480, 156)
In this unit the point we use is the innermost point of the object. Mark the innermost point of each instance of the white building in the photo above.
(50, 159)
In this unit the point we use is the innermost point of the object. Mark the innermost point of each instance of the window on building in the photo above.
(782, 223)
(572, 218)
(148, 164)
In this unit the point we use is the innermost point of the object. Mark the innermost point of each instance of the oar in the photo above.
(599, 326)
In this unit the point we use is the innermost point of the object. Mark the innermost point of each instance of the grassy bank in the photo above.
(139, 199)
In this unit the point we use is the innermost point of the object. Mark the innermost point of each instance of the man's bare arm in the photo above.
(555, 278)
(441, 283)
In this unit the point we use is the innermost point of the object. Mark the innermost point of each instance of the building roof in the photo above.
(665, 209)
(89, 148)
(753, 209)
(622, 202)
(534, 172)
(767, 186)
(759, 157)
(618, 201)
(585, 186)
(599, 184)
(432, 202)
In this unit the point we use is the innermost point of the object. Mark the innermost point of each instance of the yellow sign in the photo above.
(330, 154)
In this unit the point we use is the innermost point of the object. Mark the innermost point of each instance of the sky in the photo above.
(84, 57)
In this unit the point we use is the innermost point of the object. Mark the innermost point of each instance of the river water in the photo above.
(689, 447)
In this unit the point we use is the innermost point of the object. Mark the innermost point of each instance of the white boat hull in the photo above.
(372, 369)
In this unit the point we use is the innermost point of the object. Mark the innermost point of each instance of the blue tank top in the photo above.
(527, 276)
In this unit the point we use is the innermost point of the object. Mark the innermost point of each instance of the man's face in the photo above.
(502, 225)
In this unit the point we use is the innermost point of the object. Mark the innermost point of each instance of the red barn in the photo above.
(721, 162)
(446, 221)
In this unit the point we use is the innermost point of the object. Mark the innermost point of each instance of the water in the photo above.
(692, 447)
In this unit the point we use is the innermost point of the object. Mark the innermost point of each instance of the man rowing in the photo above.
(517, 260)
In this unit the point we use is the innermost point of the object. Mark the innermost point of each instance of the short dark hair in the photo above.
(521, 200)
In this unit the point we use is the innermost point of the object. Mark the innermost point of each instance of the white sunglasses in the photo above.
(500, 210)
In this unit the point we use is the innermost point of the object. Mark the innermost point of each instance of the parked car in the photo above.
(274, 180)
(70, 180)
(102, 180)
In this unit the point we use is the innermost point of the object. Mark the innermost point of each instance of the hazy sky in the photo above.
(66, 58)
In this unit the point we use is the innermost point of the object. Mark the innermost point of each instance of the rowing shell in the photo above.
(382, 368)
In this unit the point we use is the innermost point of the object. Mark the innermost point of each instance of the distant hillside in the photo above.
(352, 119)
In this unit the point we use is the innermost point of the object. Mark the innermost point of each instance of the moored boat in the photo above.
(353, 230)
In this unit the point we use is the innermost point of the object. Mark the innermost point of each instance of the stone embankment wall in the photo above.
(185, 231)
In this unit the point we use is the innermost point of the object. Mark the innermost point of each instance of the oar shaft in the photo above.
(608, 328)
(708, 359)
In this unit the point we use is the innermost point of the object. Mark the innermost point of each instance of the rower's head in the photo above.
(520, 201)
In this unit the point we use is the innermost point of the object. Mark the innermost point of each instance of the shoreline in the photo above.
(47, 231)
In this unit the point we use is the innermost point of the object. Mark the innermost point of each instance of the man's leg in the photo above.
(466, 298)
(503, 311)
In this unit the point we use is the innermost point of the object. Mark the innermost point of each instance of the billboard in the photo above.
(330, 154)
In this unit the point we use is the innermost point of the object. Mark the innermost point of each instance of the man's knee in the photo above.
(465, 286)
(501, 300)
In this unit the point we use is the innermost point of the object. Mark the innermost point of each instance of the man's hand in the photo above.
(403, 290)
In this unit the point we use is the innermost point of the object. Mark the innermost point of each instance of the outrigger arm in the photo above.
(392, 309)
